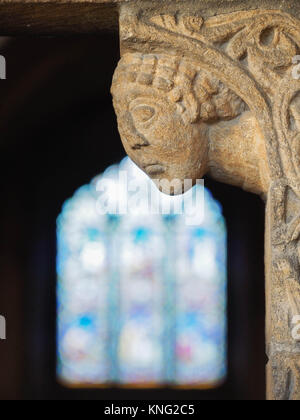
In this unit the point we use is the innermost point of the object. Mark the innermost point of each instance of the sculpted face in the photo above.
(157, 137)
(166, 106)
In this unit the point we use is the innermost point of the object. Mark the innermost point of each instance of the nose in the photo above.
(138, 142)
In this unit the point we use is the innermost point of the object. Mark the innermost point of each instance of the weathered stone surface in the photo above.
(195, 94)
(166, 107)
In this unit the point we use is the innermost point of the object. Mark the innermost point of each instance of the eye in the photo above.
(143, 113)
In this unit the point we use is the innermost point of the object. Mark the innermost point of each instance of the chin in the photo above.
(172, 188)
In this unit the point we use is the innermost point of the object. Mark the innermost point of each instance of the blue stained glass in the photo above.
(141, 293)
(141, 234)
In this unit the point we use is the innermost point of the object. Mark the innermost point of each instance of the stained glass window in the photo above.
(141, 290)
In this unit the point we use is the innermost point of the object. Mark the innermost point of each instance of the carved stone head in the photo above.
(165, 105)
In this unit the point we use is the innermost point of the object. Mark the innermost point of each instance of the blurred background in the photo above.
(58, 130)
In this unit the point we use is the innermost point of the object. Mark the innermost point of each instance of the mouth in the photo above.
(155, 169)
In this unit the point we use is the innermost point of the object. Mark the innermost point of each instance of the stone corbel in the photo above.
(221, 95)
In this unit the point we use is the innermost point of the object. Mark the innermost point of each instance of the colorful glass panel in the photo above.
(141, 285)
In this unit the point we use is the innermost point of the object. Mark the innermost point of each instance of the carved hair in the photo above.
(199, 95)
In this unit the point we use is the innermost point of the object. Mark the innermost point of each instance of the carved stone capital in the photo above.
(221, 95)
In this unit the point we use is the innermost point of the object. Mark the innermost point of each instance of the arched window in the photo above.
(141, 284)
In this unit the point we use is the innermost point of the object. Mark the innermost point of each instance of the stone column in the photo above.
(202, 90)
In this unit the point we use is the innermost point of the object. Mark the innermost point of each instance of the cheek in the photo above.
(169, 134)
(201, 146)
(193, 156)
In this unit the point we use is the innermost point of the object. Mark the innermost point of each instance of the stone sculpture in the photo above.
(222, 96)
